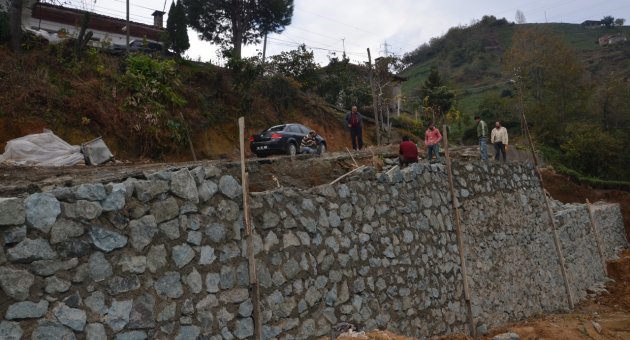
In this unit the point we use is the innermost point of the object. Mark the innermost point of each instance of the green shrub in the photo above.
(154, 94)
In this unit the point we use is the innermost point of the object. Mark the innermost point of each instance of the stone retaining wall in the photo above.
(164, 257)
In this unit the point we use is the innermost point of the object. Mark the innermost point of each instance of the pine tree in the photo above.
(176, 29)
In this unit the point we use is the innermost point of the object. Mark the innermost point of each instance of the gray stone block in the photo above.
(118, 314)
(169, 285)
(14, 235)
(27, 310)
(244, 328)
(99, 268)
(72, 317)
(142, 231)
(47, 330)
(64, 229)
(184, 186)
(10, 330)
(182, 255)
(106, 240)
(42, 211)
(142, 313)
(95, 331)
(31, 250)
(12, 211)
(90, 192)
(230, 187)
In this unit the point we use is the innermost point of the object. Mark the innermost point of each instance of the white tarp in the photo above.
(43, 149)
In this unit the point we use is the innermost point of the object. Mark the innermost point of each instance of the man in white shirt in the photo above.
(499, 137)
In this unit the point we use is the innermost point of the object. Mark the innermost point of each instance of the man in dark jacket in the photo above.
(355, 123)
(408, 152)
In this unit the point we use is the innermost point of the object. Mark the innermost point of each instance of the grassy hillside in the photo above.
(145, 108)
(470, 59)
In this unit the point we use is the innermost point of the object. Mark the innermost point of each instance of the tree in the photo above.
(238, 22)
(520, 17)
(437, 98)
(344, 84)
(550, 79)
(5, 33)
(620, 21)
(176, 28)
(298, 64)
(15, 13)
(608, 21)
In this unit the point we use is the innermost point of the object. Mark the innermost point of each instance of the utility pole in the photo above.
(376, 111)
(343, 42)
(128, 28)
(264, 49)
(386, 49)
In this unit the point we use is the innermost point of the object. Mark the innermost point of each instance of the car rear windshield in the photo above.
(275, 128)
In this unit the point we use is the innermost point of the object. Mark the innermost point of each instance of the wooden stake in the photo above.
(346, 175)
(356, 165)
(596, 235)
(373, 89)
(253, 277)
(556, 239)
(460, 238)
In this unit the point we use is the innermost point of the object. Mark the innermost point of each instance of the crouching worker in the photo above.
(408, 152)
(309, 143)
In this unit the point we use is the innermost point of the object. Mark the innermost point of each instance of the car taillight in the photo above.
(276, 136)
(251, 139)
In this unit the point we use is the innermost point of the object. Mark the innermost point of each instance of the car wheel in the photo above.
(322, 148)
(292, 149)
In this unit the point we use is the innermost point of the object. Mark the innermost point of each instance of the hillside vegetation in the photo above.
(470, 57)
(573, 91)
(145, 107)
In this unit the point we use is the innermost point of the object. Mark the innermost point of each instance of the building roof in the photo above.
(591, 22)
(73, 16)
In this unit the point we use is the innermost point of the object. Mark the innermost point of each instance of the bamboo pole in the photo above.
(356, 165)
(460, 238)
(346, 175)
(253, 277)
(596, 235)
(556, 239)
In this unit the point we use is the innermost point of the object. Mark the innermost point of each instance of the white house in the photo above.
(52, 19)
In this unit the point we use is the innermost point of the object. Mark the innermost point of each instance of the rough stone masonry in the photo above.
(164, 257)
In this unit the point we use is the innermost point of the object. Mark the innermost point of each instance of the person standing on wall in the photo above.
(354, 120)
(499, 138)
(432, 139)
(482, 135)
(408, 152)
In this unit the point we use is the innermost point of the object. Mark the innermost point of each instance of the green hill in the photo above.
(470, 58)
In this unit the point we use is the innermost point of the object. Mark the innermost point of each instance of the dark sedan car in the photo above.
(285, 138)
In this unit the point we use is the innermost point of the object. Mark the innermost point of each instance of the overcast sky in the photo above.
(400, 26)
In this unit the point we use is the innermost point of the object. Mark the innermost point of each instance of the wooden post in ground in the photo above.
(376, 113)
(460, 237)
(556, 238)
(253, 277)
(596, 235)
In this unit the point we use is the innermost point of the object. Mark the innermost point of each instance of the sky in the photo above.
(329, 28)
